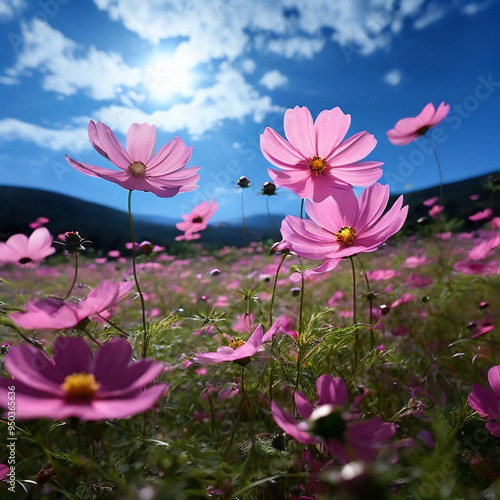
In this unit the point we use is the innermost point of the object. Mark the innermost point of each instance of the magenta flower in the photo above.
(345, 437)
(163, 174)
(487, 402)
(21, 250)
(314, 160)
(409, 129)
(56, 314)
(344, 226)
(238, 350)
(75, 384)
(198, 219)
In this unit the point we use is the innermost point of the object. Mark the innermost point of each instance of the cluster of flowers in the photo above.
(317, 164)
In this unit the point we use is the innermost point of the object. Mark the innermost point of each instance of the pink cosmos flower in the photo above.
(345, 437)
(238, 350)
(344, 226)
(74, 384)
(409, 129)
(485, 214)
(314, 160)
(56, 314)
(435, 211)
(163, 174)
(21, 250)
(197, 220)
(486, 402)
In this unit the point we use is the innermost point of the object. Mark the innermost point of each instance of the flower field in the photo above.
(348, 362)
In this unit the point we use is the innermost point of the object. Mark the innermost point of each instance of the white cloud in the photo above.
(9, 9)
(9, 80)
(230, 97)
(248, 65)
(226, 29)
(102, 75)
(12, 129)
(393, 77)
(297, 46)
(432, 14)
(471, 9)
(273, 79)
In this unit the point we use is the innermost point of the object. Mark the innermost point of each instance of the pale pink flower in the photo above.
(56, 314)
(435, 211)
(484, 247)
(163, 174)
(409, 129)
(197, 220)
(21, 250)
(485, 214)
(314, 160)
(76, 384)
(240, 351)
(345, 436)
(39, 222)
(430, 201)
(344, 226)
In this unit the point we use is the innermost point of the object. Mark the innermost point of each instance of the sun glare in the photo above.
(167, 76)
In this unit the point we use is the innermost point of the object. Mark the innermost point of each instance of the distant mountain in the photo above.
(108, 228)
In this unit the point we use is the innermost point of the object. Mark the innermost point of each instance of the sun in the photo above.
(168, 76)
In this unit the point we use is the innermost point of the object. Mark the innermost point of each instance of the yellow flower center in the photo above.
(80, 385)
(236, 342)
(346, 235)
(137, 168)
(317, 165)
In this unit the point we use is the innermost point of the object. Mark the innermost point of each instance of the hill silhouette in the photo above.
(108, 228)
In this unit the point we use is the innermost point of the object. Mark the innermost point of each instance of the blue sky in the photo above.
(218, 72)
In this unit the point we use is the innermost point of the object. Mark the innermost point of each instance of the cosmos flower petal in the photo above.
(331, 126)
(170, 158)
(71, 355)
(106, 144)
(372, 203)
(494, 380)
(280, 152)
(141, 140)
(20, 365)
(360, 174)
(289, 425)
(484, 401)
(353, 149)
(331, 390)
(336, 211)
(304, 406)
(309, 240)
(299, 130)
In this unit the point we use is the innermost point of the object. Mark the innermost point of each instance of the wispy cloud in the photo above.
(9, 9)
(56, 140)
(273, 79)
(472, 8)
(102, 75)
(393, 77)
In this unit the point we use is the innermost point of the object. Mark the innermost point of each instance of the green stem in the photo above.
(136, 279)
(243, 227)
(283, 257)
(370, 298)
(439, 171)
(75, 274)
(354, 315)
